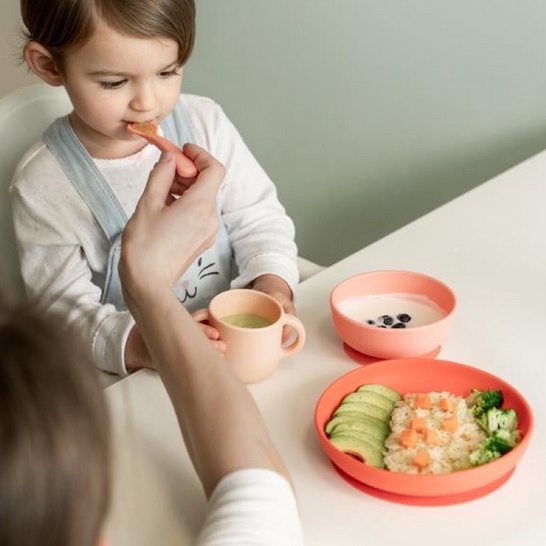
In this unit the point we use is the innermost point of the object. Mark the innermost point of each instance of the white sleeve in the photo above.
(55, 239)
(252, 507)
(261, 233)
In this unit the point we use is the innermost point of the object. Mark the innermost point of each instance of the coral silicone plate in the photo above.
(423, 375)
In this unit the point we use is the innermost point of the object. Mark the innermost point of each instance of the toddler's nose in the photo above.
(144, 99)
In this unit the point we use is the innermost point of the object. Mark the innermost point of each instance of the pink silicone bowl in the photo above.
(425, 375)
(388, 343)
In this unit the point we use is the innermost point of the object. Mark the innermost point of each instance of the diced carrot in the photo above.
(431, 437)
(423, 401)
(450, 423)
(418, 424)
(445, 404)
(421, 459)
(408, 437)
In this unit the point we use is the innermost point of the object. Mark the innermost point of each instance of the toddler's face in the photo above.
(116, 79)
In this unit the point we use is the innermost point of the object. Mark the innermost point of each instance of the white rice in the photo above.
(451, 453)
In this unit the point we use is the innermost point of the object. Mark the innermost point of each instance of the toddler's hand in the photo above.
(278, 289)
(136, 353)
(214, 336)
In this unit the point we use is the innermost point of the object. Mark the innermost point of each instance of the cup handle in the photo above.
(201, 315)
(295, 323)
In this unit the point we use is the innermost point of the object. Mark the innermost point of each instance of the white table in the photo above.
(489, 245)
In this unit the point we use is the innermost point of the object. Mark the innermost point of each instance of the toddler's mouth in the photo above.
(148, 130)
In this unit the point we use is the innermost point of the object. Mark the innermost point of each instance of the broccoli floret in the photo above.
(499, 419)
(483, 455)
(482, 401)
(499, 443)
(499, 424)
(509, 437)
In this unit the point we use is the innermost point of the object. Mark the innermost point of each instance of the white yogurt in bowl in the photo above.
(392, 310)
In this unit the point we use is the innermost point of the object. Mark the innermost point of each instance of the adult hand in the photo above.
(165, 235)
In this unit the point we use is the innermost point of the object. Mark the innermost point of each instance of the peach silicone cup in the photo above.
(424, 375)
(148, 130)
(385, 343)
(253, 353)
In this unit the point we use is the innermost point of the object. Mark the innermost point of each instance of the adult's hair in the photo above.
(54, 437)
(65, 25)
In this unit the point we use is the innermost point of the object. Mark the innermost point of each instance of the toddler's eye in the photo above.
(169, 73)
(112, 85)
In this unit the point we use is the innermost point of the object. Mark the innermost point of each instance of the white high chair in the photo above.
(24, 115)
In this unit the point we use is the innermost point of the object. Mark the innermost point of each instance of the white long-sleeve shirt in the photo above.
(252, 507)
(60, 243)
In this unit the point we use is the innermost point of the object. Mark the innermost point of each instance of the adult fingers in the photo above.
(180, 185)
(159, 183)
(201, 195)
(209, 168)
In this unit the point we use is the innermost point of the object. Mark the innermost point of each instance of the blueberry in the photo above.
(387, 320)
(370, 322)
(403, 317)
(399, 325)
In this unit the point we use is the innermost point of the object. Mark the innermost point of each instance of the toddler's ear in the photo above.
(41, 62)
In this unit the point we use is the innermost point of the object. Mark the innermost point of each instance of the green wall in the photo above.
(368, 114)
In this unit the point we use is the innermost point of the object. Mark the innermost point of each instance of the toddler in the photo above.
(121, 62)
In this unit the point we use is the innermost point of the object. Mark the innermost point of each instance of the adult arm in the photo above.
(220, 422)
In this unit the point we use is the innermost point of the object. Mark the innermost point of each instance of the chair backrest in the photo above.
(24, 115)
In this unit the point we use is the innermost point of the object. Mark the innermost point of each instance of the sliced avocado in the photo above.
(357, 419)
(371, 397)
(370, 426)
(359, 435)
(364, 407)
(359, 448)
(383, 390)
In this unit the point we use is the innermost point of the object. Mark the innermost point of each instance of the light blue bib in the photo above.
(210, 274)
